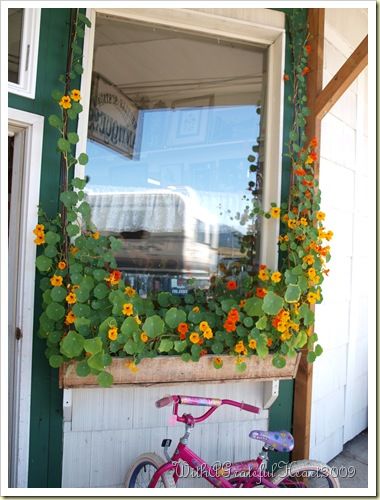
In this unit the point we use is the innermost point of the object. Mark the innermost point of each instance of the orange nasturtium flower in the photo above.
(194, 338)
(286, 77)
(112, 333)
(305, 71)
(203, 326)
(252, 344)
(71, 298)
(61, 265)
(70, 318)
(218, 362)
(208, 334)
(276, 277)
(312, 297)
(128, 309)
(75, 95)
(56, 280)
(131, 365)
(144, 337)
(321, 216)
(182, 328)
(263, 275)
(308, 48)
(196, 309)
(309, 260)
(240, 348)
(275, 212)
(231, 285)
(131, 292)
(40, 239)
(242, 303)
(74, 250)
(96, 235)
(269, 342)
(233, 315)
(65, 102)
(114, 277)
(137, 319)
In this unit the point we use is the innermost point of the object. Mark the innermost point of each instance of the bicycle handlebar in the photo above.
(214, 403)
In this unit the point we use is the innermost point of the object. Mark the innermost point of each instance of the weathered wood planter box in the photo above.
(171, 369)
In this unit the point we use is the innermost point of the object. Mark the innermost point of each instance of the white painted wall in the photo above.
(109, 428)
(340, 400)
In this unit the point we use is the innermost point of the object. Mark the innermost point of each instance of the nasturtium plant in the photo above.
(91, 314)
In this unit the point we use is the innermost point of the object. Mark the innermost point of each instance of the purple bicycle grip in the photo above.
(167, 400)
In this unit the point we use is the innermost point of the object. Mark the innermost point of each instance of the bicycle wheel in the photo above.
(141, 472)
(306, 474)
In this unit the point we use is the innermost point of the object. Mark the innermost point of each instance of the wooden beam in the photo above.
(342, 80)
(304, 378)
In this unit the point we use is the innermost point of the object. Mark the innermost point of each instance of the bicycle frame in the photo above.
(184, 453)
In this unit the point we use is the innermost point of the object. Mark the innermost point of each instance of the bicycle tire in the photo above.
(141, 472)
(317, 474)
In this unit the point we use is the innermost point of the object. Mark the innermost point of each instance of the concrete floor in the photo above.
(352, 464)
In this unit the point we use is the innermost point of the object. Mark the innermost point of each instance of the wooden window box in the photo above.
(171, 369)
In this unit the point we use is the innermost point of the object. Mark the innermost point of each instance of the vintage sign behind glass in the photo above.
(113, 118)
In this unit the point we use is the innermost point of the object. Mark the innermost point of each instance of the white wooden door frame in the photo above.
(28, 131)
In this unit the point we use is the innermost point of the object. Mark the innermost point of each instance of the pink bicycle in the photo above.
(152, 471)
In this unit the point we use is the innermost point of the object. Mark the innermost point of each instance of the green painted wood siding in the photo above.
(45, 453)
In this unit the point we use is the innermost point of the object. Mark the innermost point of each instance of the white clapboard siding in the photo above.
(339, 401)
(109, 428)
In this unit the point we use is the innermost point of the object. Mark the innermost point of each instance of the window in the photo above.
(175, 138)
(23, 38)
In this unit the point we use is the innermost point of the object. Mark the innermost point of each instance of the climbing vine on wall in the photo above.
(91, 314)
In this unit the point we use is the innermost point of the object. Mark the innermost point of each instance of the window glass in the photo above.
(15, 22)
(174, 143)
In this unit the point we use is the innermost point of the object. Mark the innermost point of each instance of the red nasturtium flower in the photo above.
(182, 328)
(233, 315)
(314, 142)
(300, 171)
(308, 48)
(286, 77)
(231, 285)
(229, 325)
(306, 70)
(261, 292)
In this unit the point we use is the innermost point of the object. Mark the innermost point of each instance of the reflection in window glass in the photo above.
(173, 120)
(15, 20)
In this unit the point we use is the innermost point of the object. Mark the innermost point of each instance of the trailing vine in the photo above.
(90, 314)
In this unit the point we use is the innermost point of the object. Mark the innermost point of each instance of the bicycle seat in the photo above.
(278, 440)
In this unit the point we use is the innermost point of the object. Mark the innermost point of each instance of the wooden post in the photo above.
(304, 378)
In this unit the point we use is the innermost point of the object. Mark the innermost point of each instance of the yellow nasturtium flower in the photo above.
(65, 102)
(75, 95)
(275, 212)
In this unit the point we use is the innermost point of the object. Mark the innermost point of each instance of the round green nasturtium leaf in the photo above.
(105, 379)
(72, 345)
(58, 294)
(73, 137)
(129, 326)
(174, 317)
(78, 183)
(82, 310)
(78, 68)
(50, 251)
(52, 238)
(82, 159)
(96, 361)
(55, 121)
(82, 294)
(72, 114)
(180, 345)
(72, 229)
(153, 326)
(101, 290)
(278, 361)
(57, 94)
(164, 299)
(55, 336)
(55, 311)
(254, 306)
(272, 303)
(63, 145)
(55, 361)
(186, 357)
(165, 345)
(69, 198)
(93, 346)
(83, 369)
(311, 357)
(318, 350)
(241, 367)
(217, 347)
(292, 294)
(100, 274)
(43, 263)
